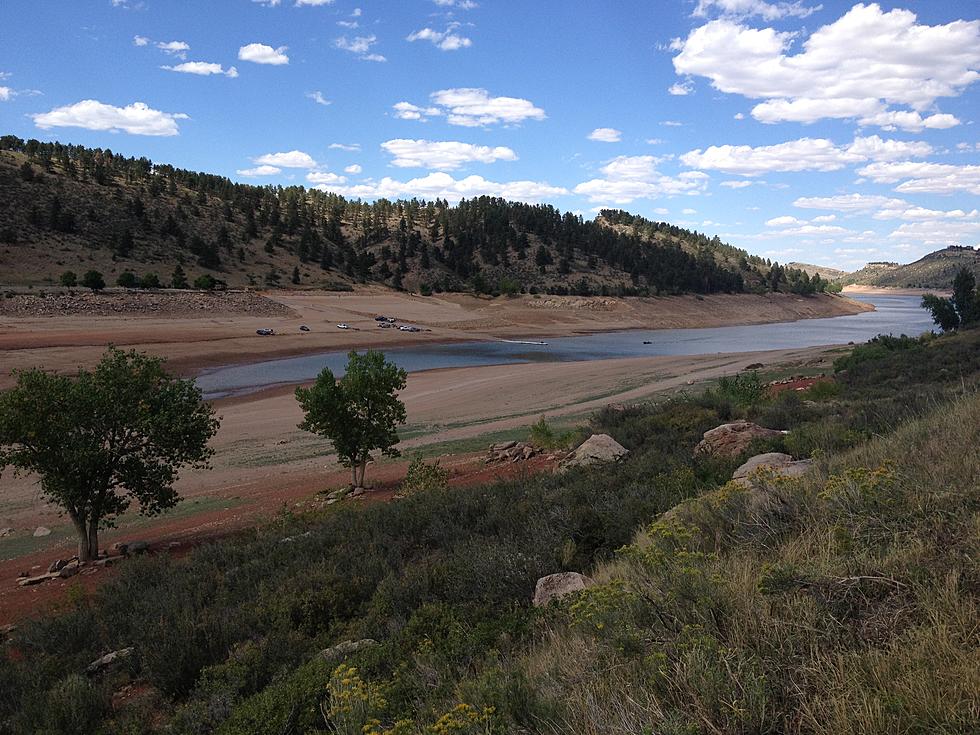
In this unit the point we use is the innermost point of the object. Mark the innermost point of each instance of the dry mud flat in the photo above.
(196, 331)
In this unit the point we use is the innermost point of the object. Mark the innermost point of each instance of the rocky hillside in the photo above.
(935, 270)
(69, 208)
(830, 274)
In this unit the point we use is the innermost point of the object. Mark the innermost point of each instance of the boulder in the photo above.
(125, 548)
(782, 465)
(69, 570)
(41, 531)
(4, 532)
(731, 440)
(347, 648)
(57, 565)
(503, 446)
(110, 660)
(556, 586)
(597, 448)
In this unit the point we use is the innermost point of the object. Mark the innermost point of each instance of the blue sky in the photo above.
(833, 133)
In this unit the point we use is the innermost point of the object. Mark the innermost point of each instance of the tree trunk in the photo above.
(93, 539)
(353, 474)
(83, 540)
(363, 468)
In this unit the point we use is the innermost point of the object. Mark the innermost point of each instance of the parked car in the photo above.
(265, 331)
(380, 318)
(385, 325)
(391, 320)
(343, 326)
(304, 328)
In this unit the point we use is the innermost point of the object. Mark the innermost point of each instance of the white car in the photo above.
(343, 326)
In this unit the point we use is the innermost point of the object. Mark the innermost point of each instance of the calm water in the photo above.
(894, 315)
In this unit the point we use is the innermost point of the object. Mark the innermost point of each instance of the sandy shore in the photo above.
(64, 343)
(858, 289)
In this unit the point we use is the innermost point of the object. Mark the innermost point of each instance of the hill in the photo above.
(66, 207)
(829, 274)
(935, 270)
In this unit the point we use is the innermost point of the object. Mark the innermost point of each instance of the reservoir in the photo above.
(893, 315)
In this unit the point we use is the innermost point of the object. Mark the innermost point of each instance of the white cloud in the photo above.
(289, 159)
(924, 177)
(738, 184)
(445, 40)
(353, 169)
(314, 3)
(322, 178)
(745, 8)
(654, 141)
(461, 4)
(443, 186)
(202, 68)
(259, 53)
(140, 40)
(174, 48)
(938, 233)
(349, 24)
(783, 221)
(259, 171)
(359, 45)
(345, 146)
(848, 202)
(318, 98)
(606, 135)
(803, 154)
(672, 123)
(136, 119)
(680, 89)
(6, 94)
(445, 155)
(627, 178)
(854, 68)
(471, 107)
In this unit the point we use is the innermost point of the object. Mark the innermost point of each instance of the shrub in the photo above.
(743, 389)
(93, 280)
(150, 280)
(423, 476)
(127, 279)
(69, 279)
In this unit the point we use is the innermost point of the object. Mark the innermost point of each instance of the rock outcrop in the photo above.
(556, 586)
(347, 648)
(731, 440)
(594, 450)
(781, 465)
(109, 661)
(512, 451)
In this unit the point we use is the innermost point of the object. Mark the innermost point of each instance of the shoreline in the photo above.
(193, 345)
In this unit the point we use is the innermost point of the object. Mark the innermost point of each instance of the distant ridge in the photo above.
(935, 270)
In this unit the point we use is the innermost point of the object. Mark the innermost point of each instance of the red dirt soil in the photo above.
(180, 536)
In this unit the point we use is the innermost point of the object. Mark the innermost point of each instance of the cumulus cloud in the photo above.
(313, 3)
(140, 40)
(345, 146)
(289, 159)
(323, 178)
(606, 135)
(353, 169)
(803, 154)
(628, 178)
(359, 45)
(445, 40)
(461, 4)
(745, 8)
(6, 94)
(174, 48)
(446, 155)
(471, 107)
(259, 171)
(202, 68)
(938, 233)
(443, 186)
(924, 177)
(137, 118)
(260, 53)
(854, 68)
(318, 98)
(680, 89)
(848, 202)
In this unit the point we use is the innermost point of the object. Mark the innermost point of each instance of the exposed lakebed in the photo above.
(892, 315)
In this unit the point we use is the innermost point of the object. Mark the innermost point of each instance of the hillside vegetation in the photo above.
(65, 207)
(935, 270)
(845, 603)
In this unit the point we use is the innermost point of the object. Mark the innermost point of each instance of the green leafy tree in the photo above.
(127, 279)
(962, 310)
(93, 280)
(69, 279)
(150, 280)
(101, 439)
(358, 413)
